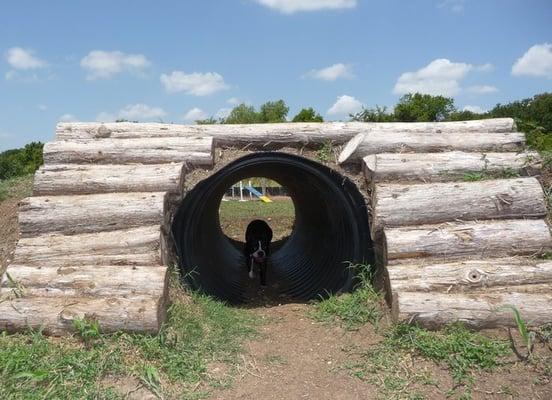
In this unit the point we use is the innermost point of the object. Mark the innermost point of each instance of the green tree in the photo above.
(308, 115)
(378, 114)
(423, 108)
(18, 162)
(243, 114)
(274, 111)
(536, 110)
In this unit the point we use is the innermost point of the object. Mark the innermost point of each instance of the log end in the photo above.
(350, 148)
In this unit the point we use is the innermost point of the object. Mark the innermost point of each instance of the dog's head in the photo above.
(259, 251)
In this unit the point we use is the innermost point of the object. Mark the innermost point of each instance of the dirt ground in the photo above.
(9, 228)
(298, 358)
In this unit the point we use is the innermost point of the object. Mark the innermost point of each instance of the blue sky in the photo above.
(179, 60)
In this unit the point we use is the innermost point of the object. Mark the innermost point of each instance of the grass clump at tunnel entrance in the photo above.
(354, 309)
(173, 364)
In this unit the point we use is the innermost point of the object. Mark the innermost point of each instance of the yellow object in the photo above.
(265, 199)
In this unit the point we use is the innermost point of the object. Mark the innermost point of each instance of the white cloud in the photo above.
(456, 6)
(105, 64)
(482, 89)
(474, 109)
(223, 112)
(292, 6)
(194, 114)
(487, 67)
(331, 73)
(234, 101)
(345, 105)
(133, 112)
(439, 77)
(196, 83)
(537, 61)
(67, 118)
(141, 112)
(20, 58)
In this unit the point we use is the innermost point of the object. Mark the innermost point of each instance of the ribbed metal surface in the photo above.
(331, 228)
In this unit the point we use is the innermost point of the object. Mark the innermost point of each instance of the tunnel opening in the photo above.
(330, 231)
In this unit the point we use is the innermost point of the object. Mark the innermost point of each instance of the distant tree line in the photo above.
(19, 162)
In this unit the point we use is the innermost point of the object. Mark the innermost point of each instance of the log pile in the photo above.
(92, 236)
(461, 224)
(455, 210)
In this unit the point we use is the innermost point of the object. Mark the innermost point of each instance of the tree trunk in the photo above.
(135, 246)
(477, 310)
(55, 316)
(268, 136)
(454, 241)
(447, 166)
(377, 142)
(468, 275)
(90, 213)
(401, 205)
(89, 178)
(86, 280)
(196, 151)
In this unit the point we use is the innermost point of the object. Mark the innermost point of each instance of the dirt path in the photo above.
(297, 358)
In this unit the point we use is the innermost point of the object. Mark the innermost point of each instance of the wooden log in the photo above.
(447, 166)
(376, 142)
(431, 203)
(89, 213)
(196, 151)
(268, 135)
(135, 246)
(454, 241)
(55, 315)
(61, 179)
(468, 275)
(85, 280)
(477, 310)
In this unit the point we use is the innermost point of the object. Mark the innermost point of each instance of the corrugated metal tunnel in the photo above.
(331, 229)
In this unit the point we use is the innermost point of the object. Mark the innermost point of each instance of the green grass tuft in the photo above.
(352, 309)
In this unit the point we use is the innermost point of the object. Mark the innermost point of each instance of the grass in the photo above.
(474, 176)
(235, 215)
(392, 365)
(352, 309)
(88, 365)
(16, 187)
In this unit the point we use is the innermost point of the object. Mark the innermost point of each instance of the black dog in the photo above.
(257, 247)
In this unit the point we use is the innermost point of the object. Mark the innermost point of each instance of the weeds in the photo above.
(352, 309)
(474, 176)
(88, 330)
(324, 154)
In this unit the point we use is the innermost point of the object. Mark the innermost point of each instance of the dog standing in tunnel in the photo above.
(257, 248)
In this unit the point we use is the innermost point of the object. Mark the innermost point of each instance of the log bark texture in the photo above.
(196, 151)
(283, 133)
(477, 310)
(90, 213)
(60, 179)
(419, 204)
(135, 246)
(454, 241)
(56, 314)
(86, 280)
(376, 142)
(468, 275)
(447, 166)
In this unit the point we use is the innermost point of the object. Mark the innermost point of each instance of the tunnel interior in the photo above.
(331, 230)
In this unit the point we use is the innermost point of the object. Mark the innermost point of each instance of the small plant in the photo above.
(352, 309)
(88, 330)
(151, 379)
(324, 154)
(474, 176)
(17, 287)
